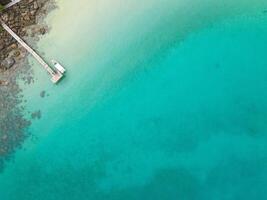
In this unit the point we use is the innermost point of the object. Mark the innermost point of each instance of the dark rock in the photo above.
(36, 115)
(18, 17)
(13, 124)
(42, 31)
(8, 63)
(42, 94)
(3, 83)
(17, 53)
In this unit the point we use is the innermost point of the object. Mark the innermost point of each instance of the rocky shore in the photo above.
(25, 19)
(19, 17)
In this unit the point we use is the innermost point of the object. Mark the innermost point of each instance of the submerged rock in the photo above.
(3, 83)
(36, 115)
(42, 94)
(13, 123)
(8, 63)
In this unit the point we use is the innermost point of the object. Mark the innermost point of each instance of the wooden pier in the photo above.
(12, 2)
(55, 75)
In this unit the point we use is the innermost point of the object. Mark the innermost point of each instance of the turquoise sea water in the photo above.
(162, 100)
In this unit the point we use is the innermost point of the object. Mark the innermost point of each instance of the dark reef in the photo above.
(23, 18)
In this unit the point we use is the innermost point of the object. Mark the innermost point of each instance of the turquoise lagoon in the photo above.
(162, 100)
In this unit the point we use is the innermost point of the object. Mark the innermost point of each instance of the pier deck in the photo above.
(13, 2)
(55, 75)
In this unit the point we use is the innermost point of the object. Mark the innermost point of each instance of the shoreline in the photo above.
(27, 19)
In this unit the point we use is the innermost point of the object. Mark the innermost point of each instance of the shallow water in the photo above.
(162, 100)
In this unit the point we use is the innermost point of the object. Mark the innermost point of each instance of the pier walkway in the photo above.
(55, 75)
(13, 2)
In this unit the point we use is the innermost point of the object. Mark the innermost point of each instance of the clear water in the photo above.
(162, 100)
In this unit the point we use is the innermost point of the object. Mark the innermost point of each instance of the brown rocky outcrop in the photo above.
(18, 17)
(13, 124)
